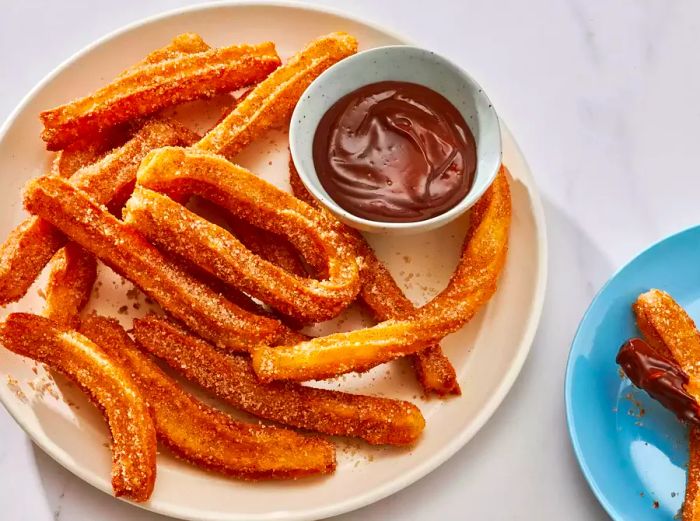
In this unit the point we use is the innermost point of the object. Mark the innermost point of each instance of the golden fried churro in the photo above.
(32, 244)
(666, 324)
(676, 341)
(270, 246)
(72, 273)
(148, 88)
(230, 378)
(203, 435)
(81, 154)
(271, 102)
(127, 252)
(109, 386)
(386, 301)
(470, 287)
(185, 43)
(211, 248)
(691, 504)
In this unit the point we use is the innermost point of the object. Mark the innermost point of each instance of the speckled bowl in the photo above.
(397, 63)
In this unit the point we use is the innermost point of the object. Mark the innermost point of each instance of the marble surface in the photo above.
(602, 97)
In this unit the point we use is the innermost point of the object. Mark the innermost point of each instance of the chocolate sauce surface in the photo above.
(394, 152)
(660, 376)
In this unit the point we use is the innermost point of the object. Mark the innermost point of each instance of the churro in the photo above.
(107, 384)
(386, 301)
(84, 221)
(179, 231)
(32, 244)
(231, 378)
(665, 323)
(271, 102)
(203, 435)
(691, 503)
(182, 44)
(150, 87)
(72, 273)
(470, 287)
(669, 373)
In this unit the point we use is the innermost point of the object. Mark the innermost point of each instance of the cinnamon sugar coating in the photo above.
(385, 299)
(106, 383)
(203, 435)
(471, 286)
(127, 252)
(72, 273)
(179, 231)
(271, 103)
(150, 87)
(231, 378)
(30, 246)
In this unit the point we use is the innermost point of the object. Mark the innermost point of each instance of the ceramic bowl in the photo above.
(397, 63)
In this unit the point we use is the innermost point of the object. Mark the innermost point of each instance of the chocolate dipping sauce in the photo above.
(660, 376)
(394, 152)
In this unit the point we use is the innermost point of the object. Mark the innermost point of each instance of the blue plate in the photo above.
(632, 451)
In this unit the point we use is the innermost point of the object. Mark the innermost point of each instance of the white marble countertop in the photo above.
(603, 99)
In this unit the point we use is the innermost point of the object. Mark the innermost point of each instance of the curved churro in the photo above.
(231, 378)
(386, 301)
(148, 88)
(203, 435)
(72, 273)
(109, 386)
(211, 248)
(470, 287)
(32, 244)
(128, 253)
(271, 102)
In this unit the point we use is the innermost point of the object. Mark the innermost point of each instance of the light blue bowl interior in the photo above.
(399, 63)
(630, 459)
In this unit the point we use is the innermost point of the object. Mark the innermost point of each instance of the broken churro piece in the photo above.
(109, 386)
(203, 435)
(128, 253)
(150, 87)
(231, 378)
(72, 273)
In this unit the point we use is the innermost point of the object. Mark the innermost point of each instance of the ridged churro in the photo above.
(150, 87)
(72, 273)
(271, 102)
(470, 287)
(667, 325)
(32, 244)
(386, 301)
(691, 503)
(82, 220)
(107, 384)
(231, 378)
(206, 436)
(179, 231)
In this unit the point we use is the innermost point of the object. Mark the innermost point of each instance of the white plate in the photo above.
(488, 353)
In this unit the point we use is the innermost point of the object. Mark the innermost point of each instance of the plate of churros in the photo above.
(631, 388)
(192, 318)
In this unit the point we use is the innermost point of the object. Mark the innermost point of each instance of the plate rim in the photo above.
(588, 474)
(439, 457)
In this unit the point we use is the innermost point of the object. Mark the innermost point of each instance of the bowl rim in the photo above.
(472, 196)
